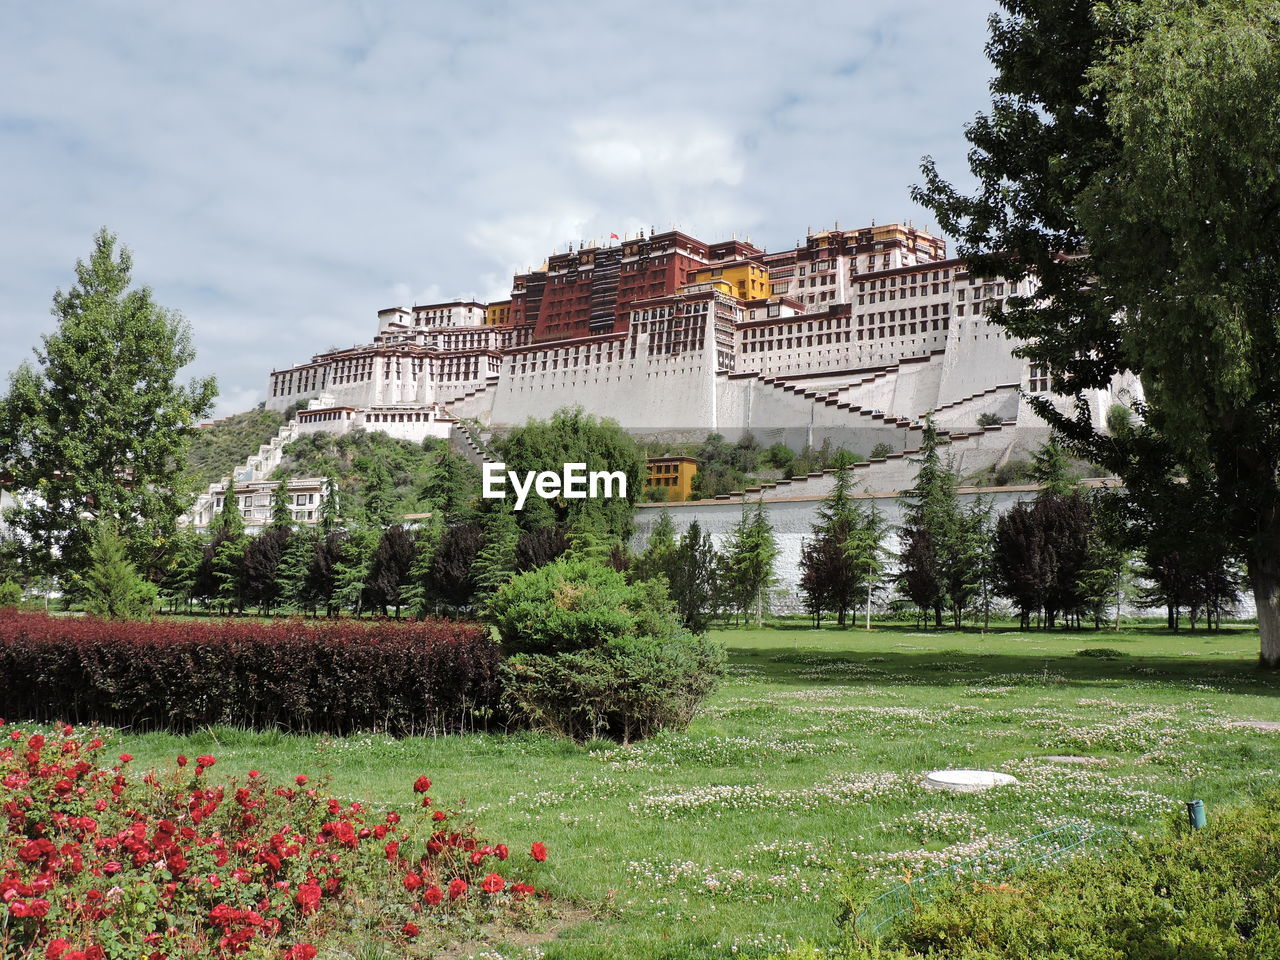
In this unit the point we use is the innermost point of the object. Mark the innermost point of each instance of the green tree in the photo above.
(185, 553)
(572, 436)
(329, 516)
(749, 559)
(379, 494)
(693, 578)
(1131, 163)
(295, 588)
(659, 551)
(934, 570)
(496, 561)
(112, 587)
(98, 428)
(281, 509)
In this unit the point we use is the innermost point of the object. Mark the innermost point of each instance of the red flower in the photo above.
(421, 785)
(308, 897)
(457, 887)
(539, 851)
(206, 761)
(412, 882)
(300, 779)
(57, 948)
(439, 815)
(493, 884)
(410, 929)
(300, 951)
(433, 895)
(182, 761)
(126, 758)
(500, 851)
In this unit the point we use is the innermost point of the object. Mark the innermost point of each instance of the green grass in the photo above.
(803, 773)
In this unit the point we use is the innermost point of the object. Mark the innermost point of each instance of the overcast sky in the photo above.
(283, 170)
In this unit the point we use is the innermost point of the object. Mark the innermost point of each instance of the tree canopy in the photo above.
(97, 429)
(1131, 164)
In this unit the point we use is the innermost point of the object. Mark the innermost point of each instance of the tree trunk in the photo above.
(1264, 574)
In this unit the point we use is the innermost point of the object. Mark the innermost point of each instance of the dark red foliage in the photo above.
(422, 677)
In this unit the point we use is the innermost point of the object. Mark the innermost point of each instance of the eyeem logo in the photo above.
(572, 483)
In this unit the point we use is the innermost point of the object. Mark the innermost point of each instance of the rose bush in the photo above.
(97, 862)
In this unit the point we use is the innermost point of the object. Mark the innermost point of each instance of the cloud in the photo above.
(282, 171)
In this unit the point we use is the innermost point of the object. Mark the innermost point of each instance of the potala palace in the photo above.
(853, 336)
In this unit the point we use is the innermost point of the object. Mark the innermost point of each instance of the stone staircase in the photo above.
(257, 466)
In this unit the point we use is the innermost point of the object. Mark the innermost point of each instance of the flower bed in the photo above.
(97, 863)
(433, 676)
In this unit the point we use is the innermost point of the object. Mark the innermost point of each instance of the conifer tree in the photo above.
(417, 594)
(693, 578)
(659, 551)
(186, 552)
(935, 540)
(328, 517)
(749, 560)
(281, 509)
(496, 561)
(97, 429)
(389, 569)
(293, 573)
(112, 587)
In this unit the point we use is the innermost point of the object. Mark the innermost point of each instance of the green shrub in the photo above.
(1213, 894)
(625, 691)
(571, 605)
(10, 594)
(1102, 653)
(592, 656)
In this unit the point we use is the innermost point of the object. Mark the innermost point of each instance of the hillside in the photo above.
(417, 472)
(218, 448)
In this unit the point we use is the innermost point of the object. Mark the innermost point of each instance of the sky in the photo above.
(281, 171)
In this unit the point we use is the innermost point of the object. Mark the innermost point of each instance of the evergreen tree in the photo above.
(185, 554)
(390, 569)
(112, 587)
(379, 495)
(229, 521)
(352, 568)
(451, 578)
(936, 540)
(328, 517)
(658, 556)
(293, 573)
(749, 560)
(541, 546)
(262, 558)
(693, 578)
(98, 429)
(496, 561)
(281, 509)
(417, 594)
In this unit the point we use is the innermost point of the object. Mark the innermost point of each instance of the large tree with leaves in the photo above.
(97, 429)
(1131, 163)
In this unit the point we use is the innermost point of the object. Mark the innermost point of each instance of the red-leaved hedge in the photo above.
(433, 676)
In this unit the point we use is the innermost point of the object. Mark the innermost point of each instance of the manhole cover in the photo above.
(968, 781)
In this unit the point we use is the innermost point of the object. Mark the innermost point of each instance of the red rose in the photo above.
(300, 951)
(308, 897)
(126, 758)
(433, 895)
(457, 887)
(439, 815)
(412, 882)
(39, 908)
(493, 884)
(421, 785)
(57, 948)
(206, 761)
(182, 761)
(410, 929)
(500, 851)
(300, 779)
(539, 851)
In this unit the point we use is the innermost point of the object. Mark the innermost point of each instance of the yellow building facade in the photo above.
(672, 474)
(746, 280)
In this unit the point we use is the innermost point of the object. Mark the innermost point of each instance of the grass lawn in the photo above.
(803, 773)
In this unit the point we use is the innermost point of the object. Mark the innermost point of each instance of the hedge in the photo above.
(434, 676)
